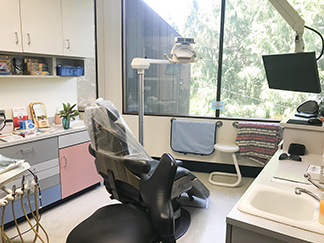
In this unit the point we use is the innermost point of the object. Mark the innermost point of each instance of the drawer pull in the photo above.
(65, 161)
(68, 44)
(17, 37)
(27, 150)
(28, 36)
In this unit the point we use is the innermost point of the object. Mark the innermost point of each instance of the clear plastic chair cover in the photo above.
(109, 133)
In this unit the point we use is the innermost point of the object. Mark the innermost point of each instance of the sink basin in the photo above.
(283, 206)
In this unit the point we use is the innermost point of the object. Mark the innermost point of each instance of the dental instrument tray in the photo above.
(311, 121)
(7, 164)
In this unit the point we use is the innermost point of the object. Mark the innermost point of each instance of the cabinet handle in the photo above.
(65, 161)
(68, 43)
(29, 42)
(27, 150)
(17, 39)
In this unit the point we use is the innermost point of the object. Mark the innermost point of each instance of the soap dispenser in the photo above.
(321, 210)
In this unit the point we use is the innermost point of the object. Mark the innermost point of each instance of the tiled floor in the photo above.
(207, 225)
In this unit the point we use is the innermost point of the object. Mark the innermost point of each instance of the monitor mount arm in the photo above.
(293, 19)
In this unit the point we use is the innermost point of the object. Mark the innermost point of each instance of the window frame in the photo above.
(219, 77)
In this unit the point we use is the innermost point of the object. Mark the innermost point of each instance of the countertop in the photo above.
(43, 133)
(280, 168)
(284, 124)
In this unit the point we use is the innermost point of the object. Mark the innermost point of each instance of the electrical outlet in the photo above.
(3, 112)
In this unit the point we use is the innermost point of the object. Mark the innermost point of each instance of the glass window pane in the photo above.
(252, 30)
(179, 89)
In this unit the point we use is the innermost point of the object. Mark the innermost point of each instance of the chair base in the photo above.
(182, 223)
(237, 183)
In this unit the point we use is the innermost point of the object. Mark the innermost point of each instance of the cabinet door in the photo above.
(77, 169)
(10, 39)
(41, 26)
(78, 28)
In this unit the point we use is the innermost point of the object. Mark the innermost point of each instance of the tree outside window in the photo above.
(251, 30)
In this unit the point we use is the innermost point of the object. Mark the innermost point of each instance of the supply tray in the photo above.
(69, 71)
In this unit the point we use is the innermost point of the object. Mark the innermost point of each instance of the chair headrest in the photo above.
(110, 135)
(112, 113)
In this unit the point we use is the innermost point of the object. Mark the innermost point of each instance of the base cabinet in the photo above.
(235, 234)
(62, 164)
(77, 169)
(42, 155)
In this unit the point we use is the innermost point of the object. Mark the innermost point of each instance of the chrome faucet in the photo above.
(299, 190)
(308, 177)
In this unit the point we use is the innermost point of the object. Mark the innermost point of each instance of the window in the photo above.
(250, 31)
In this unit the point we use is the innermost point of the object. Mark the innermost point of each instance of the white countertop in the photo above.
(284, 124)
(286, 169)
(52, 131)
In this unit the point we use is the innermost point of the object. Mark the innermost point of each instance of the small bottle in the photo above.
(321, 210)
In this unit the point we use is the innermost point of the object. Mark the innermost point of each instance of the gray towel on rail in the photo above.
(193, 137)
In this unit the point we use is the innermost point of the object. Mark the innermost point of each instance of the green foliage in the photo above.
(68, 111)
(251, 30)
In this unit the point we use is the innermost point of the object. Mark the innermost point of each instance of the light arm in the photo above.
(144, 63)
(293, 19)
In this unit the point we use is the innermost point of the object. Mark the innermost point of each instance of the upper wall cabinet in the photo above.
(78, 28)
(52, 27)
(41, 26)
(10, 39)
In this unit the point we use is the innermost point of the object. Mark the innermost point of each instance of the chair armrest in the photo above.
(138, 167)
(179, 162)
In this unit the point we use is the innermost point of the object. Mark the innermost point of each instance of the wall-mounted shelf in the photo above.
(27, 77)
(69, 67)
(47, 65)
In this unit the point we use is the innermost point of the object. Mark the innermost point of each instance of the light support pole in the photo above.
(140, 73)
(141, 64)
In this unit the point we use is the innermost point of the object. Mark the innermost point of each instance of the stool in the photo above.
(227, 148)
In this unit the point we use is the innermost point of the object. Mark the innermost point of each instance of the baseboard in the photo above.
(198, 166)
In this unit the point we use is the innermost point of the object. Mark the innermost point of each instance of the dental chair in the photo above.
(149, 190)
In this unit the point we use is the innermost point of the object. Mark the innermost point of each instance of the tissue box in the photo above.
(314, 171)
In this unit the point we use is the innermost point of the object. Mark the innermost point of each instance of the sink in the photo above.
(282, 206)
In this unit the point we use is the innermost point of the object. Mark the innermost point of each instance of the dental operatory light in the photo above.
(182, 52)
(293, 71)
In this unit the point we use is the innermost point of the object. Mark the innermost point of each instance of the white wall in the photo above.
(20, 92)
(156, 129)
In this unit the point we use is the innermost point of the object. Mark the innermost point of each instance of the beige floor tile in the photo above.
(207, 225)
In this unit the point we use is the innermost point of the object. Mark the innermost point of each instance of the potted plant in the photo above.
(67, 114)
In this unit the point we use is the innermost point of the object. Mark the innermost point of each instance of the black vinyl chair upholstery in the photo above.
(147, 189)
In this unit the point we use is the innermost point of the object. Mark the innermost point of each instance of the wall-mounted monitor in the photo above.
(293, 71)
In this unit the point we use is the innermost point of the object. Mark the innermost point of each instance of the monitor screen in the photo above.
(293, 71)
